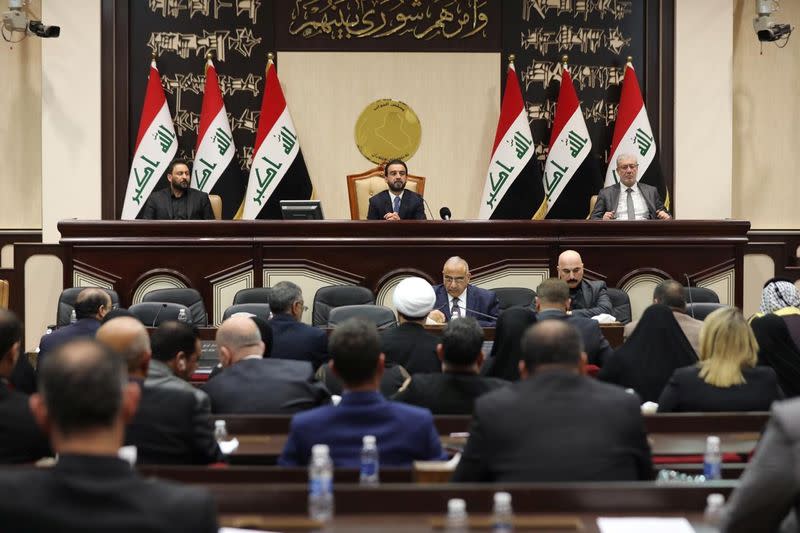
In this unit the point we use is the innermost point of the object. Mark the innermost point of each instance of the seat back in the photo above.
(700, 295)
(66, 303)
(260, 310)
(184, 296)
(152, 314)
(216, 205)
(361, 187)
(327, 298)
(515, 297)
(621, 304)
(700, 310)
(3, 294)
(382, 317)
(255, 295)
(592, 203)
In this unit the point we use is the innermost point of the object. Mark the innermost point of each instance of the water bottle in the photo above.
(320, 484)
(220, 431)
(370, 466)
(182, 315)
(73, 317)
(502, 515)
(713, 513)
(457, 519)
(712, 460)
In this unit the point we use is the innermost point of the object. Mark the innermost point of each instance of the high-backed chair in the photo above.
(152, 314)
(255, 295)
(700, 310)
(700, 295)
(327, 298)
(216, 205)
(621, 304)
(260, 310)
(382, 317)
(66, 303)
(361, 187)
(515, 297)
(3, 294)
(183, 296)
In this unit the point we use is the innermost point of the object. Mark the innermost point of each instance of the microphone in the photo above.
(155, 318)
(484, 315)
(429, 207)
(445, 213)
(689, 286)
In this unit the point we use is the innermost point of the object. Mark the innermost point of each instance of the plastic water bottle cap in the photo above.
(715, 500)
(712, 440)
(369, 440)
(320, 450)
(502, 498)
(456, 505)
(219, 423)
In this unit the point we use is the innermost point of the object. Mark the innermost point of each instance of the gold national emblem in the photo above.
(388, 129)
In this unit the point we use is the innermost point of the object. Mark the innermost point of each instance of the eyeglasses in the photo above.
(628, 167)
(459, 280)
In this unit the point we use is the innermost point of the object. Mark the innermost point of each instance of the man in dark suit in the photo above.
(169, 427)
(552, 302)
(454, 391)
(556, 424)
(91, 306)
(629, 200)
(404, 433)
(178, 201)
(409, 345)
(251, 384)
(587, 298)
(396, 203)
(456, 297)
(291, 338)
(84, 402)
(21, 441)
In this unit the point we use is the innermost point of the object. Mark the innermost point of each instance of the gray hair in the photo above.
(283, 295)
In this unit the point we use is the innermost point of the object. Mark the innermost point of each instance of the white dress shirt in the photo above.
(639, 205)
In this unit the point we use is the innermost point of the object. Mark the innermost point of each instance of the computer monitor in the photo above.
(301, 210)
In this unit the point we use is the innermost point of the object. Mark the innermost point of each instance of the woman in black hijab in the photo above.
(655, 349)
(778, 349)
(503, 361)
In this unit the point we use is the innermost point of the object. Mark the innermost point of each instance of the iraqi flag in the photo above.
(156, 146)
(278, 171)
(570, 172)
(633, 135)
(214, 170)
(513, 187)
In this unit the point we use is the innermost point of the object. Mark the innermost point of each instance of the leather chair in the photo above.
(382, 317)
(592, 202)
(328, 298)
(260, 310)
(183, 296)
(152, 314)
(700, 310)
(66, 303)
(361, 187)
(255, 295)
(515, 297)
(700, 295)
(3, 294)
(621, 304)
(216, 205)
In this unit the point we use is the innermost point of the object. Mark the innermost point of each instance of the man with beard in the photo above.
(396, 203)
(588, 298)
(178, 201)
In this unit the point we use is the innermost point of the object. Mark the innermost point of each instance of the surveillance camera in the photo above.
(40, 30)
(764, 24)
(16, 20)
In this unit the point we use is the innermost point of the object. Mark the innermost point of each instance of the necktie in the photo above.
(455, 312)
(631, 211)
(396, 204)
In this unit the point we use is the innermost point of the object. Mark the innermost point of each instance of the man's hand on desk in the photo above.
(663, 215)
(436, 316)
(391, 216)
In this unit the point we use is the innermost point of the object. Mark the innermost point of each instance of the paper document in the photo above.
(639, 524)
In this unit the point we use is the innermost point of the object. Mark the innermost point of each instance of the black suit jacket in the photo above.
(595, 299)
(411, 206)
(448, 393)
(167, 429)
(556, 426)
(89, 494)
(159, 205)
(21, 440)
(85, 327)
(594, 342)
(410, 346)
(483, 301)
(266, 387)
(608, 200)
(686, 391)
(296, 340)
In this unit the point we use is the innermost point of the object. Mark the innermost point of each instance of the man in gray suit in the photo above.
(639, 201)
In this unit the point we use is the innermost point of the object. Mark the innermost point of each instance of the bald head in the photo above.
(127, 337)
(92, 303)
(552, 342)
(455, 276)
(570, 268)
(237, 338)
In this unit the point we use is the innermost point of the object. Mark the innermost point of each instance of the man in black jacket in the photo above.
(178, 201)
(396, 203)
(588, 298)
(556, 424)
(409, 345)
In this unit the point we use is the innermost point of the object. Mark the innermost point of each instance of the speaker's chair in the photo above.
(361, 187)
